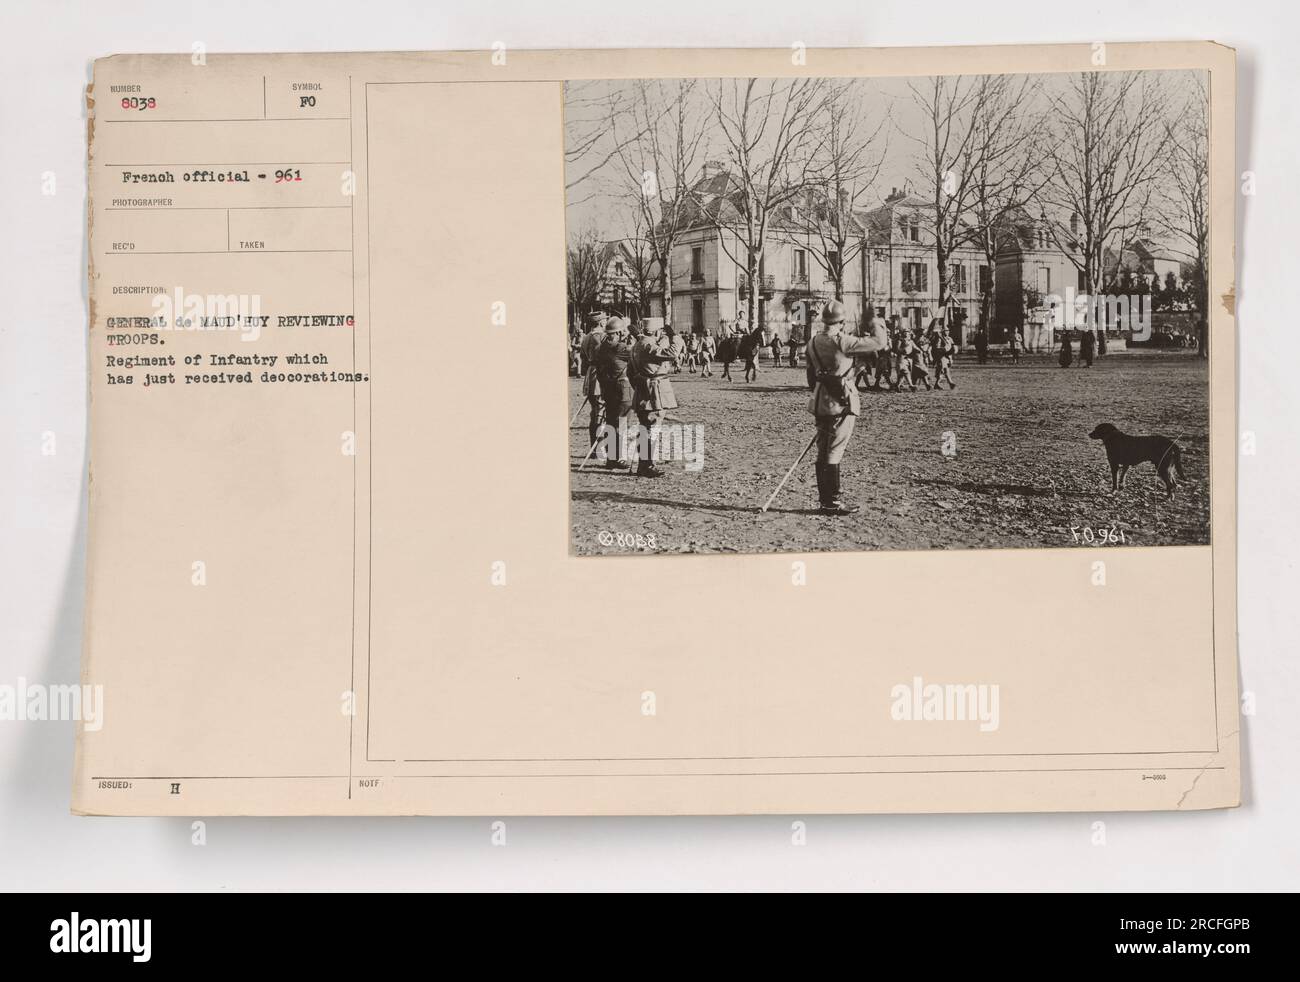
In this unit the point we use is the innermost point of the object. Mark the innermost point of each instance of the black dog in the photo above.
(1124, 451)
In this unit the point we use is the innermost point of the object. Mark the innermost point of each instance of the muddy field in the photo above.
(1022, 472)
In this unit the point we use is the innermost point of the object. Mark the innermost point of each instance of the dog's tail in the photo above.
(1178, 460)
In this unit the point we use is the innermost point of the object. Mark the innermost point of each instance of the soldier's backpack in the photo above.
(833, 383)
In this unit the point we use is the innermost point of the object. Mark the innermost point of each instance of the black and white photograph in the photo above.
(845, 314)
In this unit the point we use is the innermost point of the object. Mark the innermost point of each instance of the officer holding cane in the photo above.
(835, 403)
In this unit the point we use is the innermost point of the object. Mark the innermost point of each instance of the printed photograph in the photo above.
(810, 314)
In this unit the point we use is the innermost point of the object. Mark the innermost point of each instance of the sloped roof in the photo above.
(719, 198)
(1140, 255)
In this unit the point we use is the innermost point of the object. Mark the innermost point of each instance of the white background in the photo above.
(48, 50)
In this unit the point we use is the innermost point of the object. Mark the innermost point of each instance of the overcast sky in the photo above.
(596, 200)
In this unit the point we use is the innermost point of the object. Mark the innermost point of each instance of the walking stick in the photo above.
(577, 412)
(767, 504)
(599, 437)
(589, 453)
(772, 498)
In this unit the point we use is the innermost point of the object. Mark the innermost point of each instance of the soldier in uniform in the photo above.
(612, 358)
(945, 349)
(587, 366)
(885, 358)
(677, 344)
(835, 402)
(897, 356)
(652, 360)
(708, 348)
(903, 350)
(918, 353)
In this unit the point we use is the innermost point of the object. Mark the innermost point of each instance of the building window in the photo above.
(697, 263)
(914, 231)
(618, 268)
(697, 313)
(914, 277)
(1044, 280)
(957, 278)
(986, 279)
(800, 266)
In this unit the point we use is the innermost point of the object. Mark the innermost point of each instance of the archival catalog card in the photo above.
(663, 432)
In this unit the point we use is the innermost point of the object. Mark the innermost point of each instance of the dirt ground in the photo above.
(1024, 472)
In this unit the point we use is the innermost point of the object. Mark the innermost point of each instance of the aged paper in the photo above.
(351, 552)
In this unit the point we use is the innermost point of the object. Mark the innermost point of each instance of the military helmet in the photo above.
(833, 313)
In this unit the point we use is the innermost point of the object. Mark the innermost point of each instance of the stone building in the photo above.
(710, 291)
(889, 268)
(902, 271)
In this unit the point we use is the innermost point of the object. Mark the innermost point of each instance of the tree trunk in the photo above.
(755, 289)
(944, 274)
(668, 288)
(1203, 305)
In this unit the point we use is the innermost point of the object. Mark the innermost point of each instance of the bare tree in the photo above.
(1183, 211)
(588, 142)
(1005, 175)
(659, 161)
(641, 270)
(1102, 164)
(767, 130)
(587, 271)
(964, 150)
(845, 168)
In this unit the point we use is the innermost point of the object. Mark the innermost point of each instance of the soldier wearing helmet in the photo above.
(835, 403)
(652, 360)
(587, 349)
(612, 358)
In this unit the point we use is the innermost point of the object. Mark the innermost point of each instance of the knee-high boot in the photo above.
(832, 504)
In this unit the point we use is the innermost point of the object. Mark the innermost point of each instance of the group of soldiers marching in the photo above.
(906, 364)
(908, 360)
